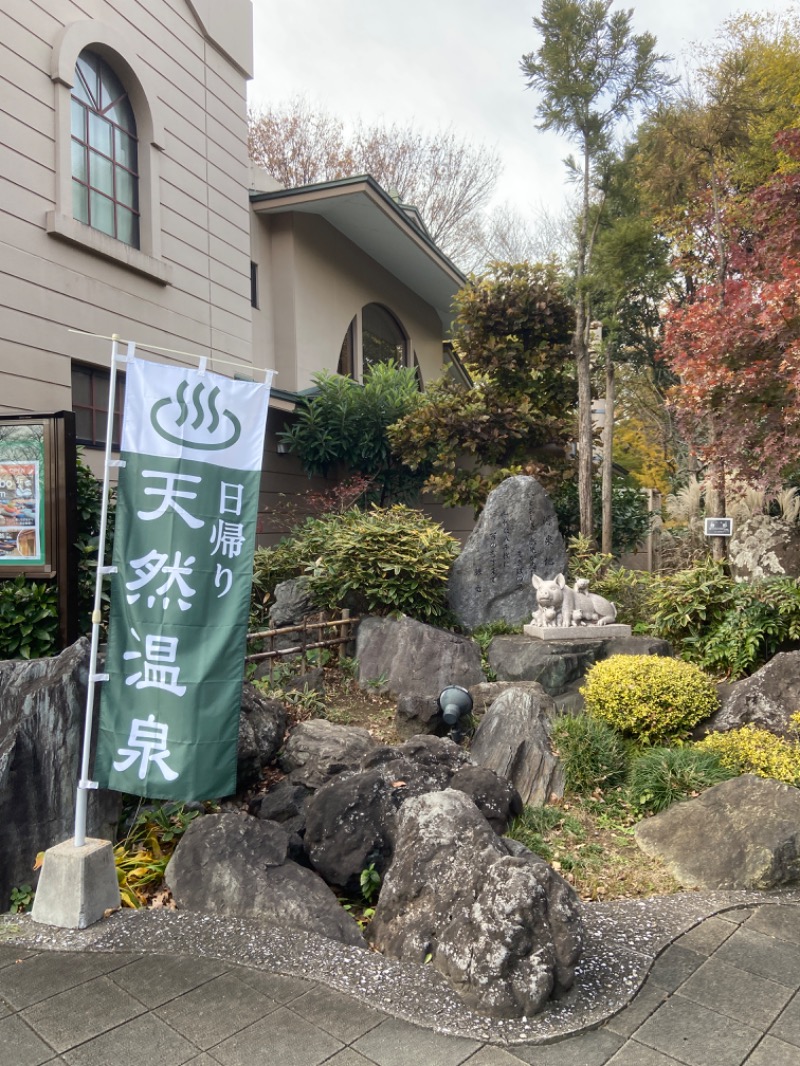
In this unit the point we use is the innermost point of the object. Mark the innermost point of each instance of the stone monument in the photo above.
(565, 613)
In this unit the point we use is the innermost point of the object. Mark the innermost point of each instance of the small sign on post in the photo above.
(719, 527)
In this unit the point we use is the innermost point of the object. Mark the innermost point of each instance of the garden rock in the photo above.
(515, 537)
(292, 603)
(767, 699)
(554, 665)
(513, 739)
(743, 833)
(351, 821)
(284, 803)
(318, 750)
(493, 795)
(419, 714)
(505, 930)
(518, 945)
(262, 725)
(409, 658)
(237, 866)
(42, 708)
(485, 694)
(349, 825)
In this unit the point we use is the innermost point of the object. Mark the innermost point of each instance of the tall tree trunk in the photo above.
(608, 452)
(582, 365)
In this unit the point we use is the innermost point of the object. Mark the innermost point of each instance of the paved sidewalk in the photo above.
(723, 994)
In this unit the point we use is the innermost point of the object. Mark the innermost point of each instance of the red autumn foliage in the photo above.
(736, 347)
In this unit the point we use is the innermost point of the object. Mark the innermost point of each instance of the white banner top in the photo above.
(176, 412)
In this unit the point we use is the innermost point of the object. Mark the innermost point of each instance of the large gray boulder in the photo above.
(767, 699)
(351, 822)
(42, 709)
(238, 866)
(743, 833)
(515, 537)
(555, 665)
(408, 658)
(504, 930)
(318, 750)
(513, 739)
(262, 725)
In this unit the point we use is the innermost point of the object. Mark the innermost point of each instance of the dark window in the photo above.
(254, 284)
(382, 337)
(90, 387)
(105, 175)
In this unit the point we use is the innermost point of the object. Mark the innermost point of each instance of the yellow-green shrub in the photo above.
(751, 750)
(651, 698)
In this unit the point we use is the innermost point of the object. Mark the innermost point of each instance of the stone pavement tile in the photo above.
(4, 1009)
(737, 915)
(706, 937)
(398, 1043)
(342, 1016)
(156, 979)
(492, 1056)
(759, 954)
(81, 1013)
(635, 1054)
(282, 1038)
(348, 1057)
(737, 993)
(20, 1046)
(772, 1052)
(201, 1060)
(787, 1027)
(696, 1035)
(9, 955)
(674, 966)
(274, 985)
(780, 921)
(594, 1048)
(215, 1011)
(646, 1000)
(42, 976)
(144, 1041)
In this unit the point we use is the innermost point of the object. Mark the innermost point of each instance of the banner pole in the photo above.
(84, 784)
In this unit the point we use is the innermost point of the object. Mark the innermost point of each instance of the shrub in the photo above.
(346, 422)
(650, 698)
(751, 750)
(592, 752)
(631, 518)
(377, 561)
(628, 590)
(727, 627)
(661, 776)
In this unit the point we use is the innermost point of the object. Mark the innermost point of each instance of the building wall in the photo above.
(313, 280)
(189, 288)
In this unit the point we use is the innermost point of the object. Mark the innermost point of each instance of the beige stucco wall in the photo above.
(196, 154)
(313, 280)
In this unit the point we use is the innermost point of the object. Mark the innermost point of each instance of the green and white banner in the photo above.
(187, 503)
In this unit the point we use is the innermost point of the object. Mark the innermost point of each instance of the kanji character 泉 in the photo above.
(148, 743)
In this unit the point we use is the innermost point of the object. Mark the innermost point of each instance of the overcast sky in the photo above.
(448, 63)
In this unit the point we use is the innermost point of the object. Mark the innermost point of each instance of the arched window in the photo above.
(105, 174)
(382, 337)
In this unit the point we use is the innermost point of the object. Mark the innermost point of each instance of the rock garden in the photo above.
(587, 769)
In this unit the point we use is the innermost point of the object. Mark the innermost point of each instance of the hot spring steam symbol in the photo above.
(169, 418)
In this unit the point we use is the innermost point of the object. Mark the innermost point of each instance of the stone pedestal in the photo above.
(77, 885)
(562, 633)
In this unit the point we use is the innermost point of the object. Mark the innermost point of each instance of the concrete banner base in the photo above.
(77, 885)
